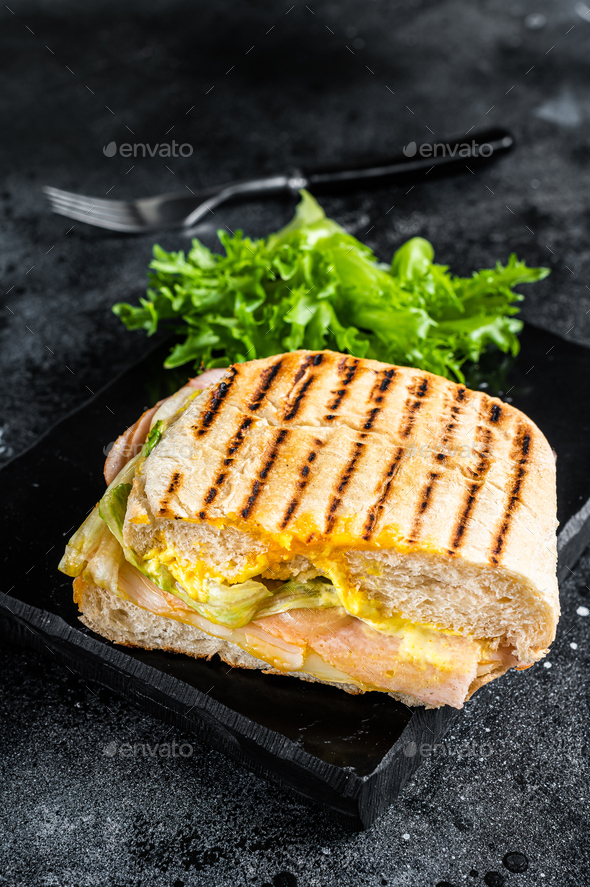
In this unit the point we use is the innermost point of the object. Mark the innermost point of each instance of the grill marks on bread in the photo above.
(173, 486)
(265, 382)
(345, 478)
(292, 407)
(233, 447)
(484, 439)
(292, 410)
(301, 484)
(376, 510)
(495, 412)
(267, 378)
(417, 392)
(372, 417)
(216, 398)
(520, 454)
(376, 395)
(259, 483)
(347, 371)
(441, 457)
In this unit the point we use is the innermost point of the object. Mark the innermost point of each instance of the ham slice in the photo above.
(439, 670)
(131, 441)
(432, 666)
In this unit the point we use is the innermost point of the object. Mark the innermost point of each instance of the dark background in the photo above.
(328, 82)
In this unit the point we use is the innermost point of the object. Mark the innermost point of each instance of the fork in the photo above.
(178, 210)
(174, 210)
(129, 216)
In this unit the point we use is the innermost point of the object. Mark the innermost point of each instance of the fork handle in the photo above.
(416, 161)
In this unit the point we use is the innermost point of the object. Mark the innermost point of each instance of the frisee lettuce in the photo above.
(314, 286)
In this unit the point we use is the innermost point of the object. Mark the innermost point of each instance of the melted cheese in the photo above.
(420, 640)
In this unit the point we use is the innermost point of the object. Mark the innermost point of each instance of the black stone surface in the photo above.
(71, 814)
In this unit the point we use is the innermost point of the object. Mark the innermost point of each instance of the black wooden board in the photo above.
(344, 752)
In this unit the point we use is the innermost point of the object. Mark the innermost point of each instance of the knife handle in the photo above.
(415, 161)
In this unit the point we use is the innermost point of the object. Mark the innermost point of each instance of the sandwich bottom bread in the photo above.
(333, 518)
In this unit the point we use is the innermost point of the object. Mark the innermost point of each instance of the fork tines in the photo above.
(118, 215)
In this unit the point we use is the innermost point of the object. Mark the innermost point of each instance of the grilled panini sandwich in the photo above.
(337, 519)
